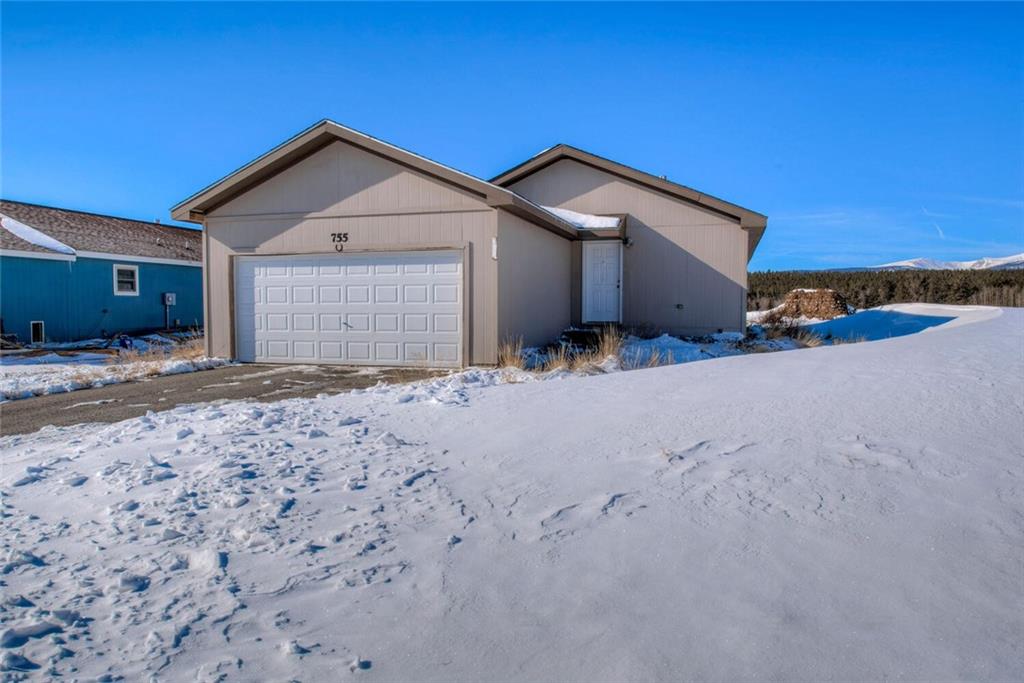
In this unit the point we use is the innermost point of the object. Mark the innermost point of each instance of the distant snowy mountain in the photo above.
(1004, 263)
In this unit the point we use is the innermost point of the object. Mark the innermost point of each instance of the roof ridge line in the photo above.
(100, 215)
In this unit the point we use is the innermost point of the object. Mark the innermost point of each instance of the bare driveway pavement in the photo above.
(116, 402)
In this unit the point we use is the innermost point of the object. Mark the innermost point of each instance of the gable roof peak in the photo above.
(325, 132)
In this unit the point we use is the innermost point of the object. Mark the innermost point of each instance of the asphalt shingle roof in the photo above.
(107, 234)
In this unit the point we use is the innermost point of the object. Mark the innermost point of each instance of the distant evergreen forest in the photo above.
(864, 289)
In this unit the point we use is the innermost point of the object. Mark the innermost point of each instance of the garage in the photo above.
(376, 308)
(337, 247)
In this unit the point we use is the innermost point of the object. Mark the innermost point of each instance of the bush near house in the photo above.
(865, 289)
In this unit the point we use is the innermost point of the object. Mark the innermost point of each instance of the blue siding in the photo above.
(76, 299)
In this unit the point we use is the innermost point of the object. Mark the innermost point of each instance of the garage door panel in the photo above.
(382, 308)
(303, 322)
(416, 322)
(385, 322)
(330, 294)
(277, 322)
(302, 294)
(331, 351)
(385, 294)
(277, 349)
(358, 351)
(330, 322)
(357, 294)
(446, 353)
(357, 322)
(415, 294)
(446, 322)
(303, 349)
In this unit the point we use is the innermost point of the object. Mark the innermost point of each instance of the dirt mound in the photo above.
(823, 304)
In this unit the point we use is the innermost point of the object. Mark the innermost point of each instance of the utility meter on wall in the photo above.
(170, 298)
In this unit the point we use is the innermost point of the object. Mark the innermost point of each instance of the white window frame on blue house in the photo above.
(135, 272)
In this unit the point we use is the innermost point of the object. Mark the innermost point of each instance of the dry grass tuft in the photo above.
(807, 339)
(585, 361)
(86, 376)
(610, 342)
(557, 359)
(781, 331)
(193, 349)
(849, 340)
(510, 353)
(132, 356)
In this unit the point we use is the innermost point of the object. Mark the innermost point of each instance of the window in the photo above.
(126, 280)
(38, 331)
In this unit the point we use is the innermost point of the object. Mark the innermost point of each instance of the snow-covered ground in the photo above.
(24, 377)
(81, 365)
(849, 512)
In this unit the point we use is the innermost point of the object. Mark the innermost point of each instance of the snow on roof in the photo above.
(584, 221)
(33, 236)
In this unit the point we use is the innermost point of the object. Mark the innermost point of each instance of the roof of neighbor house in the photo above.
(755, 223)
(325, 132)
(80, 231)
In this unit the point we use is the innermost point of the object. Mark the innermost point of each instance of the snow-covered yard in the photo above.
(848, 512)
(69, 367)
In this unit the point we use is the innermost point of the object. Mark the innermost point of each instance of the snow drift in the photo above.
(846, 512)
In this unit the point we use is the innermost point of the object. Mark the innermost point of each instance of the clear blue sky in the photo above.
(867, 133)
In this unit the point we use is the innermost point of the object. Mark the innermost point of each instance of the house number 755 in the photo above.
(339, 239)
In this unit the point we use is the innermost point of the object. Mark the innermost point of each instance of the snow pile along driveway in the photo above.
(24, 377)
(846, 512)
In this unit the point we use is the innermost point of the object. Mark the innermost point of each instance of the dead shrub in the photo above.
(193, 349)
(773, 318)
(585, 361)
(654, 360)
(132, 356)
(807, 339)
(610, 342)
(510, 353)
(557, 359)
(782, 330)
(849, 340)
(86, 375)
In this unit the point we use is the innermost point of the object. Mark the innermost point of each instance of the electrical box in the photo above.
(170, 298)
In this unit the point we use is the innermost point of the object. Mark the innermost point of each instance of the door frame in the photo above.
(584, 294)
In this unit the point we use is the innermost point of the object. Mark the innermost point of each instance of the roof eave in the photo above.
(193, 208)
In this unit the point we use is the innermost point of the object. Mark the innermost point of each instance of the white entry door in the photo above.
(377, 308)
(602, 281)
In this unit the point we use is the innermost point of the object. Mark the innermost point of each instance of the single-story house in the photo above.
(337, 247)
(70, 275)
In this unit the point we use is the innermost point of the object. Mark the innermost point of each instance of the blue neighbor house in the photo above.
(69, 275)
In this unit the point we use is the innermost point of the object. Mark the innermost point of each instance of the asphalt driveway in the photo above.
(116, 402)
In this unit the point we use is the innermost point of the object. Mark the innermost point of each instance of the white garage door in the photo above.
(364, 309)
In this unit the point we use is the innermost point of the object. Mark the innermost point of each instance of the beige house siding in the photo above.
(382, 206)
(681, 254)
(534, 269)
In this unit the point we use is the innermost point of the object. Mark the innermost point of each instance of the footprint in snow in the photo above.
(566, 521)
(133, 583)
(857, 452)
